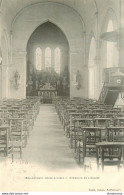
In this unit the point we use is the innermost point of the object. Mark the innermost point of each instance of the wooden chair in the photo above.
(70, 126)
(110, 154)
(108, 115)
(98, 111)
(76, 135)
(67, 117)
(18, 135)
(13, 112)
(6, 146)
(103, 123)
(87, 147)
(115, 134)
(92, 115)
(26, 121)
(119, 121)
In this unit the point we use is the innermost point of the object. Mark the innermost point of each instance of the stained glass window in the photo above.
(48, 58)
(57, 60)
(38, 59)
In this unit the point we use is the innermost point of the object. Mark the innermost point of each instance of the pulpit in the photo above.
(47, 93)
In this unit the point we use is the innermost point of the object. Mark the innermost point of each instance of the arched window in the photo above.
(112, 54)
(57, 60)
(48, 58)
(38, 56)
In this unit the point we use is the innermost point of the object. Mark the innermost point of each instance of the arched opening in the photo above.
(111, 50)
(109, 56)
(48, 60)
(92, 76)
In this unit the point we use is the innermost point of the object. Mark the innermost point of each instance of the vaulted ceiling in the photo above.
(86, 8)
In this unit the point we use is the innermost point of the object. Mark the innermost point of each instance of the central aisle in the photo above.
(47, 144)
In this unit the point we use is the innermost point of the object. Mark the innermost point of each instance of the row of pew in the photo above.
(17, 118)
(94, 130)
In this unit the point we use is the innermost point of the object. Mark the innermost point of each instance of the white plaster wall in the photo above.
(0, 82)
(18, 65)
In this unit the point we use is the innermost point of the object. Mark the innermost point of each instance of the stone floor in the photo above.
(47, 144)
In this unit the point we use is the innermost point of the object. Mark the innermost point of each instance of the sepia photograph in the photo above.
(61, 96)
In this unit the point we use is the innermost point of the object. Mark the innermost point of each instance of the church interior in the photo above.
(61, 86)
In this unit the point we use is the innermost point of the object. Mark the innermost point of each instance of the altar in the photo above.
(47, 93)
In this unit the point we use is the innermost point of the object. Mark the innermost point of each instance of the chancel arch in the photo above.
(50, 49)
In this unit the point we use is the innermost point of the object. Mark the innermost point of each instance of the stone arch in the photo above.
(92, 39)
(48, 35)
(50, 21)
(110, 15)
(67, 20)
(42, 13)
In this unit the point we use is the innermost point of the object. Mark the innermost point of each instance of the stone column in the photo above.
(11, 35)
(43, 59)
(98, 76)
(4, 77)
(52, 58)
(0, 82)
(76, 64)
(121, 47)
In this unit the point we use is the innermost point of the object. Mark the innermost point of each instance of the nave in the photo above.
(61, 95)
(47, 144)
(55, 136)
